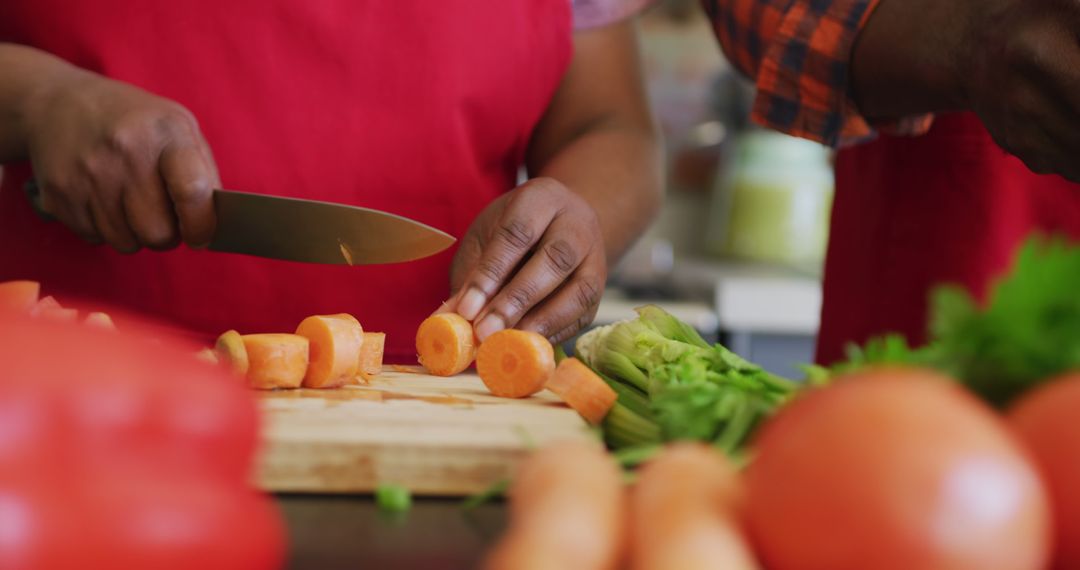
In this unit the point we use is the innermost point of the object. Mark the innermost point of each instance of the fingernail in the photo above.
(490, 325)
(471, 304)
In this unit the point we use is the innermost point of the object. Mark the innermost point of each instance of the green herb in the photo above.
(393, 498)
(496, 490)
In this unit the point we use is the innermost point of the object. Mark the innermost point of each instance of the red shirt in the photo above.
(418, 108)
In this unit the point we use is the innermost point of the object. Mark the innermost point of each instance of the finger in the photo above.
(75, 215)
(189, 179)
(559, 253)
(149, 212)
(517, 231)
(110, 220)
(464, 260)
(572, 307)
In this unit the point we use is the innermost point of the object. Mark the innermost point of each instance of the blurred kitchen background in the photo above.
(738, 246)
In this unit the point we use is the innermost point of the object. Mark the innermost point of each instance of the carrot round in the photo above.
(371, 353)
(231, 351)
(19, 296)
(208, 355)
(49, 308)
(567, 510)
(581, 389)
(99, 320)
(684, 512)
(514, 363)
(335, 349)
(445, 344)
(276, 360)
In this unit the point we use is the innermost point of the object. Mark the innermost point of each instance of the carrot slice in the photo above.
(276, 360)
(49, 308)
(231, 351)
(582, 390)
(514, 363)
(19, 296)
(208, 355)
(567, 510)
(371, 353)
(684, 512)
(335, 349)
(445, 344)
(99, 320)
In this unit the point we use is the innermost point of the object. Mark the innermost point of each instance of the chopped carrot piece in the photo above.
(232, 352)
(684, 512)
(49, 308)
(208, 355)
(582, 390)
(371, 353)
(567, 510)
(276, 360)
(514, 363)
(445, 344)
(99, 320)
(335, 349)
(19, 296)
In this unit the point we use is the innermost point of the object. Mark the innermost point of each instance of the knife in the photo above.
(310, 231)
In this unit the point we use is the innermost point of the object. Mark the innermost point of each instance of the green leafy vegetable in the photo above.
(393, 498)
(672, 385)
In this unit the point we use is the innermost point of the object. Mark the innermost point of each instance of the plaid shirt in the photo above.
(798, 53)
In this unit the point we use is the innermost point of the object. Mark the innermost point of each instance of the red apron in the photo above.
(909, 213)
(419, 108)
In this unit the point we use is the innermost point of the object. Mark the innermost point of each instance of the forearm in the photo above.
(908, 59)
(25, 76)
(600, 140)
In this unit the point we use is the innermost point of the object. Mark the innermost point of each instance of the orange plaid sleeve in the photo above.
(798, 53)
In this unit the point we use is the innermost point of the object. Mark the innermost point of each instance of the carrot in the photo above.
(684, 512)
(49, 308)
(208, 355)
(99, 320)
(335, 349)
(445, 344)
(371, 353)
(231, 351)
(582, 390)
(276, 360)
(19, 296)
(515, 364)
(567, 510)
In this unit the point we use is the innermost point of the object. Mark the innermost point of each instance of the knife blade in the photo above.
(310, 231)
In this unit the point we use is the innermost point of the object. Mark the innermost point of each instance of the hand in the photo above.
(534, 260)
(120, 165)
(1025, 80)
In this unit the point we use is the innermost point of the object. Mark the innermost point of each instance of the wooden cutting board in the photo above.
(435, 436)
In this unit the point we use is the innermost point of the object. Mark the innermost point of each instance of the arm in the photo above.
(113, 162)
(537, 258)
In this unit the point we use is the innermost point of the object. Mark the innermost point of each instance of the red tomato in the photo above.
(1046, 420)
(894, 469)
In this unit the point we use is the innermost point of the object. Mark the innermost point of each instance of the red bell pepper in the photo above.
(121, 452)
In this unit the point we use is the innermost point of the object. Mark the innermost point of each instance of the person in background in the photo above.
(969, 111)
(129, 113)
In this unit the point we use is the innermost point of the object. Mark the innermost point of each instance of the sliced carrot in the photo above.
(99, 320)
(514, 363)
(19, 296)
(49, 308)
(208, 355)
(445, 344)
(276, 360)
(335, 349)
(231, 351)
(582, 390)
(567, 510)
(684, 512)
(371, 353)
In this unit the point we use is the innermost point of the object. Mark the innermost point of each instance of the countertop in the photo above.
(328, 532)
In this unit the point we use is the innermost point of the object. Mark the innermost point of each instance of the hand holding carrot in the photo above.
(534, 260)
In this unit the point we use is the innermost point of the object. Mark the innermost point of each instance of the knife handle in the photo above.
(33, 193)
